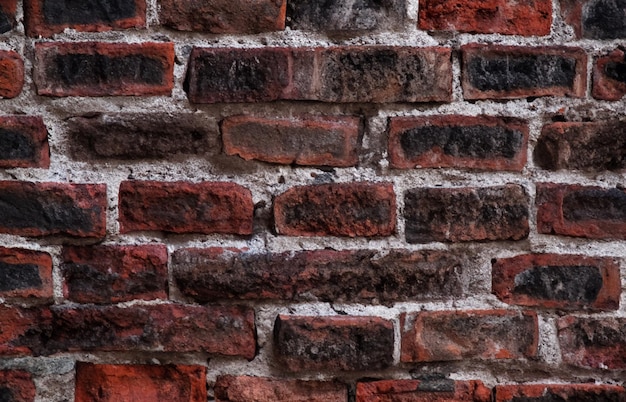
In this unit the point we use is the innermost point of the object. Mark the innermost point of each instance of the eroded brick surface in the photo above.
(230, 388)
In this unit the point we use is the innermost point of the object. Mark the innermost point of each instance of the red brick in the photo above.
(483, 142)
(25, 273)
(223, 16)
(528, 18)
(103, 69)
(258, 389)
(558, 281)
(140, 383)
(580, 211)
(559, 392)
(23, 142)
(47, 17)
(16, 386)
(11, 74)
(306, 140)
(509, 72)
(113, 274)
(595, 19)
(609, 76)
(336, 343)
(41, 209)
(350, 209)
(8, 9)
(21, 330)
(435, 390)
(362, 276)
(593, 342)
(465, 335)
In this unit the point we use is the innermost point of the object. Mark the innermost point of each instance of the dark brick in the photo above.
(25, 273)
(609, 76)
(558, 281)
(23, 142)
(482, 142)
(466, 214)
(113, 274)
(593, 342)
(7, 15)
(338, 15)
(603, 19)
(40, 209)
(142, 135)
(22, 330)
(346, 209)
(439, 390)
(336, 343)
(331, 276)
(559, 393)
(11, 74)
(258, 389)
(104, 69)
(505, 72)
(16, 386)
(465, 335)
(140, 383)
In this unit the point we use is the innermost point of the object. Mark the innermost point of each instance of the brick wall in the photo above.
(298, 200)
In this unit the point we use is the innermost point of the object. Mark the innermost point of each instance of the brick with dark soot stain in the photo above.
(8, 9)
(25, 273)
(23, 142)
(431, 390)
(591, 342)
(609, 76)
(16, 386)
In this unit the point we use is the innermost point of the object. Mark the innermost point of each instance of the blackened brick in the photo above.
(25, 273)
(431, 390)
(23, 142)
(7, 15)
(595, 19)
(609, 76)
(593, 342)
(16, 386)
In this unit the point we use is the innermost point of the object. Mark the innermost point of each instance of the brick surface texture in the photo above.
(312, 200)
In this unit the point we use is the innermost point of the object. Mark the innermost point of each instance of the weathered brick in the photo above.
(258, 389)
(183, 207)
(462, 335)
(40, 209)
(609, 76)
(23, 142)
(140, 383)
(342, 16)
(47, 17)
(223, 16)
(466, 214)
(435, 390)
(528, 18)
(305, 140)
(558, 281)
(113, 274)
(346, 209)
(142, 135)
(483, 142)
(11, 74)
(362, 276)
(103, 69)
(25, 273)
(593, 342)
(7, 15)
(22, 330)
(338, 343)
(560, 393)
(16, 386)
(581, 211)
(508, 72)
(595, 19)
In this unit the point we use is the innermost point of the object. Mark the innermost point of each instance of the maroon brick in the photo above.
(558, 281)
(104, 69)
(593, 342)
(528, 18)
(362, 276)
(559, 392)
(509, 72)
(483, 142)
(463, 335)
(113, 274)
(16, 386)
(245, 388)
(25, 273)
(182, 207)
(466, 214)
(40, 209)
(11, 74)
(435, 390)
(47, 17)
(140, 383)
(339, 343)
(22, 330)
(609, 76)
(223, 16)
(306, 140)
(581, 211)
(23, 142)
(7, 15)
(595, 19)
(350, 209)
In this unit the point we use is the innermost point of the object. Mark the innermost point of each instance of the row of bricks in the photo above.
(310, 343)
(483, 142)
(114, 274)
(187, 383)
(333, 74)
(361, 209)
(592, 19)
